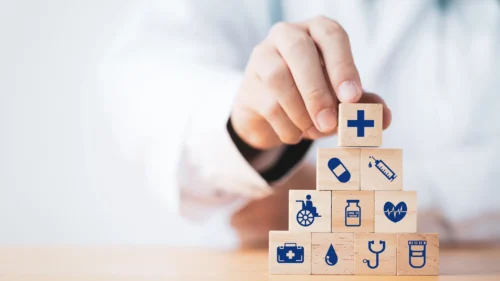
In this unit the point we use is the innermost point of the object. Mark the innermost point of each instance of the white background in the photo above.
(62, 178)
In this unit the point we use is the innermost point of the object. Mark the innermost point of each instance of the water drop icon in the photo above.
(369, 164)
(331, 258)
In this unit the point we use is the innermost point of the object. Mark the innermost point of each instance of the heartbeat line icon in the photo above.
(395, 213)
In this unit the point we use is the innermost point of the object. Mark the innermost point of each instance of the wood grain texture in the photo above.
(343, 244)
(372, 178)
(321, 200)
(177, 263)
(409, 221)
(278, 239)
(367, 207)
(429, 262)
(347, 136)
(326, 179)
(363, 256)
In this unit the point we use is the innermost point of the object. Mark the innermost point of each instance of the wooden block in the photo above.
(381, 169)
(396, 211)
(289, 252)
(338, 169)
(418, 254)
(353, 211)
(310, 211)
(360, 124)
(366, 261)
(332, 253)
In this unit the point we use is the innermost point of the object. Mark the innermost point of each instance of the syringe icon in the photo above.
(384, 169)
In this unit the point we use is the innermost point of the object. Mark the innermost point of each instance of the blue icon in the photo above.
(383, 168)
(361, 123)
(290, 253)
(370, 247)
(417, 253)
(306, 215)
(395, 213)
(339, 170)
(352, 213)
(331, 257)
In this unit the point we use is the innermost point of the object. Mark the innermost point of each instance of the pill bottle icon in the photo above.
(417, 253)
(352, 213)
(339, 170)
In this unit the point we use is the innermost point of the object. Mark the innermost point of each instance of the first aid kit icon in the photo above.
(290, 253)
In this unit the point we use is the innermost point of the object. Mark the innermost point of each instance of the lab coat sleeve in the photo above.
(169, 89)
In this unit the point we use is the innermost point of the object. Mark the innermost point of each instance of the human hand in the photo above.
(293, 83)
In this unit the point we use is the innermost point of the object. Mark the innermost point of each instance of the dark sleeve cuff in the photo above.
(290, 156)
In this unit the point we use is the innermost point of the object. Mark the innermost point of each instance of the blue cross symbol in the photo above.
(361, 123)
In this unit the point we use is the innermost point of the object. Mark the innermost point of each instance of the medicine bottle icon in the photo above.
(352, 213)
(417, 253)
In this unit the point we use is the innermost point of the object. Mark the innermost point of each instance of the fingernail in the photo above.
(347, 91)
(327, 120)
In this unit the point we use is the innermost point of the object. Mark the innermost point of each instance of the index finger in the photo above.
(302, 57)
(333, 43)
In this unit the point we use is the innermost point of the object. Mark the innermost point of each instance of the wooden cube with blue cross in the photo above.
(360, 124)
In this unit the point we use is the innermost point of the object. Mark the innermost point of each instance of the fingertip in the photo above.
(349, 92)
(291, 139)
(387, 118)
(326, 120)
(312, 133)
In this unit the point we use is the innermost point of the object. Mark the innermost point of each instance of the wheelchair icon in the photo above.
(306, 215)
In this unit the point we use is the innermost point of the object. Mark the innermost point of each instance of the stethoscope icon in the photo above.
(370, 247)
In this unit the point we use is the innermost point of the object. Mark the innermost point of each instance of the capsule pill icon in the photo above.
(339, 170)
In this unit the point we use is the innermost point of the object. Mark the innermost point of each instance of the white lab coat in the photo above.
(170, 81)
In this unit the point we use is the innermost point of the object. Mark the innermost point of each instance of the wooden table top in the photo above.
(157, 263)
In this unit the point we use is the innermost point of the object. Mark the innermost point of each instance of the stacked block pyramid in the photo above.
(359, 220)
